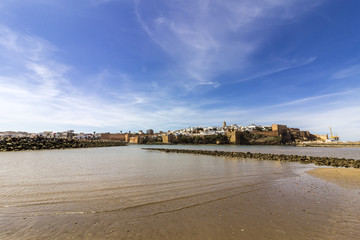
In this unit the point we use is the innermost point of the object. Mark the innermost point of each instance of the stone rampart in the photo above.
(114, 137)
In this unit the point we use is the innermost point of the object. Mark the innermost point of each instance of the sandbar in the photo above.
(344, 177)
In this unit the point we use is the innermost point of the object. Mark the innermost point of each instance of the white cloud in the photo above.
(283, 66)
(340, 110)
(36, 92)
(207, 37)
(352, 71)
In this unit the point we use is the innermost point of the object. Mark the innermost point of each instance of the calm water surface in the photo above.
(129, 193)
(339, 152)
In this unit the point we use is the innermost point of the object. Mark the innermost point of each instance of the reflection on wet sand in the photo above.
(345, 177)
(127, 193)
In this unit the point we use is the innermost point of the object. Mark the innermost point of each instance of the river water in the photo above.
(130, 193)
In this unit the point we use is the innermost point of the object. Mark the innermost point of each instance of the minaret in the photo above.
(224, 124)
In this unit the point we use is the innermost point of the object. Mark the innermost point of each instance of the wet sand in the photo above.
(298, 209)
(128, 193)
(345, 177)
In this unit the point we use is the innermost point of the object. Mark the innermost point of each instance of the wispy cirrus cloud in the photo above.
(348, 72)
(202, 39)
(36, 94)
(35, 89)
(206, 38)
(283, 66)
(339, 110)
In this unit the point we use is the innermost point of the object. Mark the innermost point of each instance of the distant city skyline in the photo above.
(111, 65)
(189, 131)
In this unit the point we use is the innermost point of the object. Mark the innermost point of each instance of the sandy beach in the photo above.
(344, 177)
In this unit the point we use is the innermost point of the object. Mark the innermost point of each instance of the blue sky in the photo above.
(111, 65)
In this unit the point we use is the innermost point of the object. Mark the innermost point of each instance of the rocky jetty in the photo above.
(39, 143)
(321, 161)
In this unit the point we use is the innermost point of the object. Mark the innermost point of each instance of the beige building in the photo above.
(114, 137)
(169, 138)
(279, 129)
(234, 137)
(136, 139)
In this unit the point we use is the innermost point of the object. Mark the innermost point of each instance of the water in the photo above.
(338, 152)
(129, 193)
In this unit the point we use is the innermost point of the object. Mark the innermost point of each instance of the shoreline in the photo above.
(336, 144)
(320, 161)
(308, 145)
(344, 177)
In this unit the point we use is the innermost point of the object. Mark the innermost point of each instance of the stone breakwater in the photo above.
(321, 161)
(21, 144)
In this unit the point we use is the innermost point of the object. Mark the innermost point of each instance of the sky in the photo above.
(120, 65)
